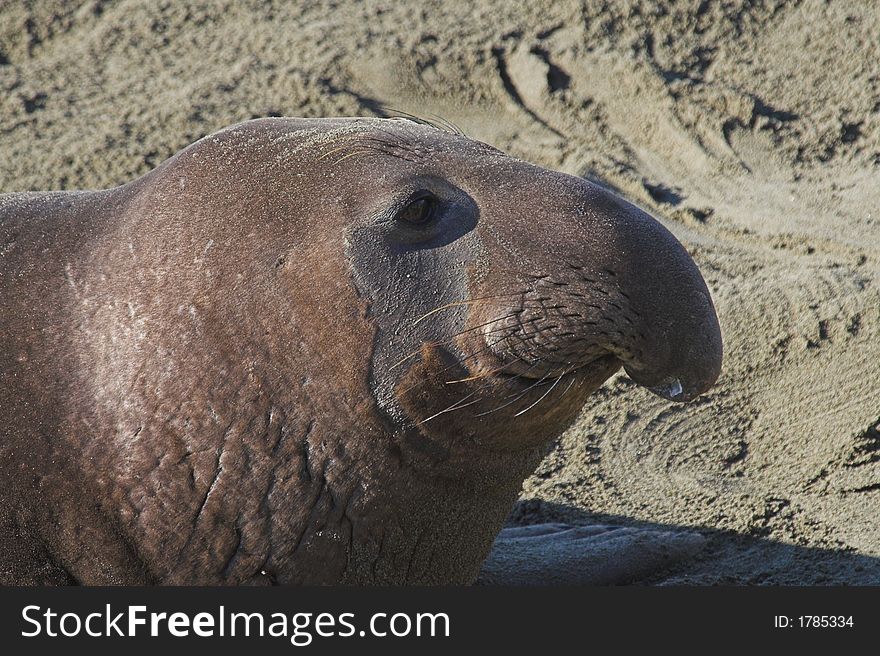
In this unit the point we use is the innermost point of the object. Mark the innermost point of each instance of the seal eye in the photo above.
(419, 212)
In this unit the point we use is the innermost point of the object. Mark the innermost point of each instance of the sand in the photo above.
(751, 129)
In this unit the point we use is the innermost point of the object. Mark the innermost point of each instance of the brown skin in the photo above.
(234, 369)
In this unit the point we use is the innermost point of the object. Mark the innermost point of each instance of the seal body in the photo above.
(315, 351)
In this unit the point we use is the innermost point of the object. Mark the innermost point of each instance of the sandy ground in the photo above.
(751, 129)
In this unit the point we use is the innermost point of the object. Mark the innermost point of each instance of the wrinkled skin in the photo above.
(244, 367)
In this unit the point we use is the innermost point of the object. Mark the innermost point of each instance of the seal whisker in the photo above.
(457, 363)
(348, 140)
(447, 124)
(327, 154)
(517, 395)
(392, 146)
(458, 405)
(545, 395)
(485, 374)
(471, 301)
(469, 356)
(441, 123)
(484, 324)
(395, 141)
(447, 368)
(570, 384)
(454, 406)
(357, 152)
(480, 375)
(452, 338)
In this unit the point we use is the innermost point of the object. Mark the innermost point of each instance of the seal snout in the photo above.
(680, 350)
(622, 291)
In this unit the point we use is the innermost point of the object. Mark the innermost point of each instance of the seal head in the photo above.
(526, 288)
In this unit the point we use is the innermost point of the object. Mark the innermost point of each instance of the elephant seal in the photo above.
(315, 351)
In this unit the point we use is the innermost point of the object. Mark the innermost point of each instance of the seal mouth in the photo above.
(603, 365)
(677, 387)
(670, 389)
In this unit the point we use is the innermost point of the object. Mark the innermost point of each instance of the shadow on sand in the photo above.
(728, 558)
